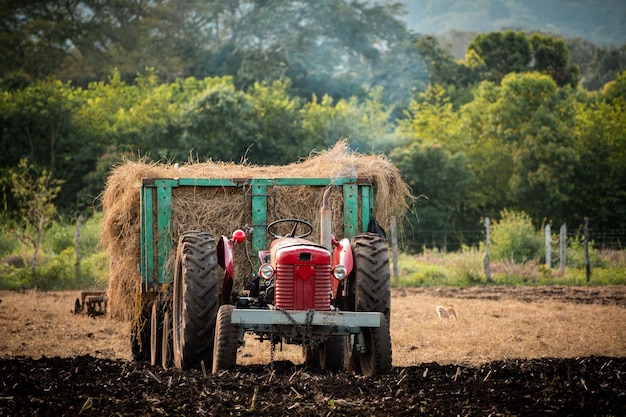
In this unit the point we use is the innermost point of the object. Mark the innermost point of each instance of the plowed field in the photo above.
(513, 351)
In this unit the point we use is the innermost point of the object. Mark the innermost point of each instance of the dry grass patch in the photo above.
(506, 329)
(41, 323)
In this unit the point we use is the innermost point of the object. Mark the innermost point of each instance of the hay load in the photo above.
(221, 211)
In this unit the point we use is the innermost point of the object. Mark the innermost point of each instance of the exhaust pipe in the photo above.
(326, 222)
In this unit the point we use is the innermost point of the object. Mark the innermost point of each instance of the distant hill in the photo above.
(602, 22)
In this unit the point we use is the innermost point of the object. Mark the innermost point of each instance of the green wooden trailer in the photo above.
(156, 213)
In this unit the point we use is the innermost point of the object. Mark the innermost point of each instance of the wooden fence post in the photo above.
(487, 269)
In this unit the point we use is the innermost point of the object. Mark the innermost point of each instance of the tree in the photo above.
(498, 53)
(601, 146)
(35, 190)
(552, 57)
(365, 124)
(443, 70)
(219, 123)
(331, 47)
(38, 122)
(442, 180)
(523, 150)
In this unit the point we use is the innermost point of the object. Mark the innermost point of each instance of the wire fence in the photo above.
(454, 240)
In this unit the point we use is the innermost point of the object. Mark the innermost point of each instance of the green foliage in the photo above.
(497, 54)
(465, 268)
(552, 58)
(57, 268)
(514, 238)
(9, 241)
(442, 181)
(575, 257)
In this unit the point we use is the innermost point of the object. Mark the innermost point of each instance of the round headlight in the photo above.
(340, 272)
(266, 271)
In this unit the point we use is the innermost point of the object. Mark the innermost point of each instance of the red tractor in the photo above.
(331, 297)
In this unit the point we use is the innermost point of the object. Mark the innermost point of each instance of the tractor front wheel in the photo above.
(196, 300)
(226, 340)
(376, 359)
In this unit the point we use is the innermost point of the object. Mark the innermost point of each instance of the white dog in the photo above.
(447, 312)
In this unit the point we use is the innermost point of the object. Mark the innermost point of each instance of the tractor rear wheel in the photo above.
(196, 300)
(372, 279)
(226, 340)
(369, 289)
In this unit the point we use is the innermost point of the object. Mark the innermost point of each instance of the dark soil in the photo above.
(614, 295)
(99, 387)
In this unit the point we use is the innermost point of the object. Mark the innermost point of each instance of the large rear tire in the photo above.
(226, 340)
(369, 289)
(372, 278)
(195, 301)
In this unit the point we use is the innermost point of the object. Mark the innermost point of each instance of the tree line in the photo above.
(87, 83)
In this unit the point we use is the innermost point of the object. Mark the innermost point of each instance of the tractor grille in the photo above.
(302, 287)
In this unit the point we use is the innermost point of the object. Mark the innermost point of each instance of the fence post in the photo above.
(548, 246)
(587, 263)
(487, 269)
(394, 247)
(562, 248)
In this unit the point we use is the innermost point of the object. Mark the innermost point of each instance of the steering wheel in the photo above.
(295, 222)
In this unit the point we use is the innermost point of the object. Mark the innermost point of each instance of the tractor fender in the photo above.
(225, 256)
(343, 254)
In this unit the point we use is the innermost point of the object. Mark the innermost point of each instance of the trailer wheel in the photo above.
(226, 340)
(156, 333)
(196, 300)
(377, 357)
(166, 340)
(369, 289)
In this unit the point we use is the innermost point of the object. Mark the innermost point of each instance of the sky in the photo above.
(600, 21)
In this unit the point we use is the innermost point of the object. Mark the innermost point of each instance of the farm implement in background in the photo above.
(93, 303)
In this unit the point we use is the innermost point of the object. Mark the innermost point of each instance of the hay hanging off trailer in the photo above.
(222, 210)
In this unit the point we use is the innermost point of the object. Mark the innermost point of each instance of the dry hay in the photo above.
(222, 210)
